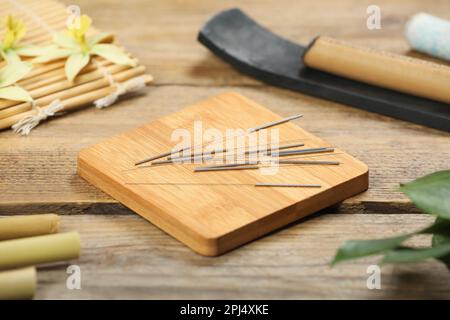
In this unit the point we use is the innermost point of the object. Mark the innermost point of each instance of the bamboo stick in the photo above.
(43, 68)
(18, 284)
(90, 97)
(28, 226)
(34, 4)
(37, 9)
(47, 17)
(64, 94)
(8, 8)
(57, 75)
(78, 101)
(39, 250)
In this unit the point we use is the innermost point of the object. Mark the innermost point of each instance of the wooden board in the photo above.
(214, 212)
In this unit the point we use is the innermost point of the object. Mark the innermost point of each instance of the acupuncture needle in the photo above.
(181, 159)
(205, 169)
(227, 184)
(162, 155)
(251, 130)
(313, 162)
(308, 156)
(288, 185)
(303, 151)
(274, 123)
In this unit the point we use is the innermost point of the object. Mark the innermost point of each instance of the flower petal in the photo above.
(15, 93)
(13, 72)
(11, 56)
(75, 63)
(98, 38)
(113, 54)
(52, 53)
(85, 24)
(64, 40)
(30, 51)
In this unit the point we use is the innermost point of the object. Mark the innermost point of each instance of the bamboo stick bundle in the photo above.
(82, 99)
(55, 87)
(100, 82)
(33, 5)
(92, 83)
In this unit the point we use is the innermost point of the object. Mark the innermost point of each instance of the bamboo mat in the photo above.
(100, 82)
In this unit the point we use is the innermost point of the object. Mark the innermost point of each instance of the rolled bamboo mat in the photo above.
(100, 83)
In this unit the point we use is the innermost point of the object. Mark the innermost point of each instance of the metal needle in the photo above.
(285, 185)
(254, 129)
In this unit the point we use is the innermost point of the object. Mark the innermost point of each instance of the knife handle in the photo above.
(392, 71)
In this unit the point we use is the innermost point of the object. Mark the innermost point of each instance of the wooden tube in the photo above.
(39, 250)
(18, 284)
(28, 226)
(379, 68)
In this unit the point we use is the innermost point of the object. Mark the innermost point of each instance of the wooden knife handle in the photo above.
(401, 73)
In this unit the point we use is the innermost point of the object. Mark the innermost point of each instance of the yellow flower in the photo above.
(78, 31)
(78, 48)
(15, 31)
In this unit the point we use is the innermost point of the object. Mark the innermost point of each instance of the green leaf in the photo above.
(75, 63)
(13, 72)
(52, 53)
(431, 193)
(411, 255)
(98, 38)
(113, 54)
(438, 240)
(440, 226)
(65, 40)
(359, 248)
(15, 93)
(352, 249)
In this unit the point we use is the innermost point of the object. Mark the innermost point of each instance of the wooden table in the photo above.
(124, 256)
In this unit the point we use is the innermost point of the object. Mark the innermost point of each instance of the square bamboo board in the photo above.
(214, 212)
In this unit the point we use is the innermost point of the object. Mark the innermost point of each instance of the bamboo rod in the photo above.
(88, 98)
(28, 226)
(38, 9)
(39, 250)
(65, 94)
(46, 17)
(18, 284)
(57, 75)
(43, 68)
(34, 4)
(75, 102)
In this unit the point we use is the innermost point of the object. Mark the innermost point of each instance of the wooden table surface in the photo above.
(124, 256)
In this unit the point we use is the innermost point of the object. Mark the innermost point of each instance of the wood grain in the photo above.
(214, 212)
(38, 173)
(127, 257)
